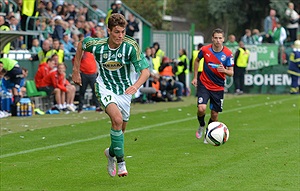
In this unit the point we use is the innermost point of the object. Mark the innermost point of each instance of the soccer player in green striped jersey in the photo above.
(116, 57)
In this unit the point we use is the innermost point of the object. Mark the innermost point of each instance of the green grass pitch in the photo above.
(64, 152)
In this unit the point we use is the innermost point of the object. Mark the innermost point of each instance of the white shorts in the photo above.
(107, 97)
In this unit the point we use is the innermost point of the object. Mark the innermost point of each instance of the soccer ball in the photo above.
(217, 133)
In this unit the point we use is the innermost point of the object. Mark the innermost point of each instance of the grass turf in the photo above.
(162, 153)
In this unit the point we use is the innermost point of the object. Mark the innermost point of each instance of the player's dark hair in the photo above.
(217, 30)
(116, 19)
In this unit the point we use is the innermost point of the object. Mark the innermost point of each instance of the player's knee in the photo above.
(201, 109)
(117, 122)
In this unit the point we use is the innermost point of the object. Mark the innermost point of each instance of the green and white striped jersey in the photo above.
(115, 65)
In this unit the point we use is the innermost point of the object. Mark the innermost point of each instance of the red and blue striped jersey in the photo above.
(210, 77)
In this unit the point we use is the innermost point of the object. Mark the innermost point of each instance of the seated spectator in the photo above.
(60, 52)
(71, 12)
(158, 96)
(167, 72)
(68, 47)
(35, 46)
(62, 89)
(257, 38)
(45, 53)
(247, 38)
(43, 70)
(58, 29)
(231, 41)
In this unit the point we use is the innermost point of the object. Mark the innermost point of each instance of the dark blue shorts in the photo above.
(215, 97)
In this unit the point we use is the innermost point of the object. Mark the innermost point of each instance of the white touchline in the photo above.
(132, 130)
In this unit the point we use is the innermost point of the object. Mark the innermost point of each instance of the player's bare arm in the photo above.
(228, 71)
(145, 73)
(76, 68)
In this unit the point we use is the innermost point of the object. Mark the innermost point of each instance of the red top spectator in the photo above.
(56, 80)
(43, 70)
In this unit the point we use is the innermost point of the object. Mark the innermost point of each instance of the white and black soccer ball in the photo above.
(217, 133)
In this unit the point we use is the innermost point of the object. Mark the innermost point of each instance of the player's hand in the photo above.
(76, 78)
(195, 82)
(131, 90)
(221, 69)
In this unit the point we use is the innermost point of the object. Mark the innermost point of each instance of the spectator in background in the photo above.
(45, 34)
(68, 47)
(73, 29)
(112, 7)
(167, 72)
(100, 32)
(58, 29)
(132, 25)
(182, 64)
(279, 34)
(118, 8)
(58, 51)
(35, 46)
(43, 70)
(158, 96)
(4, 26)
(294, 67)
(58, 10)
(293, 22)
(14, 23)
(97, 10)
(158, 52)
(102, 27)
(88, 74)
(148, 57)
(71, 12)
(231, 41)
(62, 89)
(241, 59)
(42, 10)
(28, 9)
(247, 38)
(257, 38)
(194, 56)
(269, 25)
(50, 9)
(18, 44)
(45, 53)
(155, 59)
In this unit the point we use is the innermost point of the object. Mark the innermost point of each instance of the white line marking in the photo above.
(132, 130)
